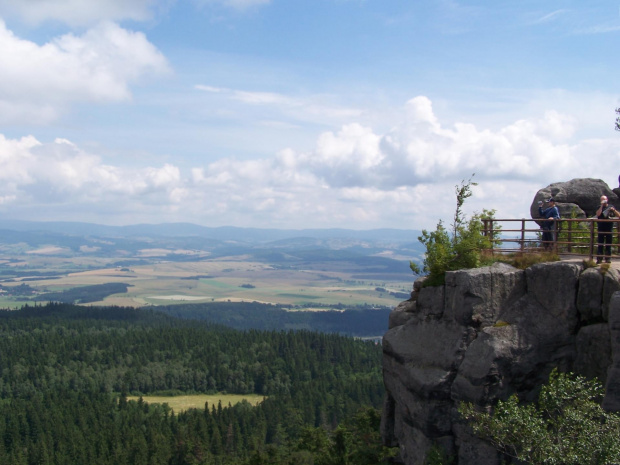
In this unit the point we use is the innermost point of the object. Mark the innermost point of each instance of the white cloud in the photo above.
(77, 12)
(59, 172)
(420, 150)
(550, 16)
(38, 82)
(315, 108)
(354, 177)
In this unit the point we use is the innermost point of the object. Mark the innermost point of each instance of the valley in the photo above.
(304, 270)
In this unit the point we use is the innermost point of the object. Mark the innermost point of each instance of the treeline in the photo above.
(66, 371)
(84, 294)
(361, 321)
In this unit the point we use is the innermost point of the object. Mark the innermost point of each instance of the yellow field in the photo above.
(182, 403)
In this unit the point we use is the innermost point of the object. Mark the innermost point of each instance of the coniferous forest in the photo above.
(66, 372)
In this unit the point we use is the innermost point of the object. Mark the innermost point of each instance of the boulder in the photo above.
(578, 197)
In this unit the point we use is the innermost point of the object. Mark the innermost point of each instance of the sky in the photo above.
(357, 114)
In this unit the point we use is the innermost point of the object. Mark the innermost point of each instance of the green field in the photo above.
(198, 401)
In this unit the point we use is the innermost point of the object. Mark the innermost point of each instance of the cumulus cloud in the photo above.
(421, 150)
(77, 12)
(61, 175)
(39, 81)
(354, 177)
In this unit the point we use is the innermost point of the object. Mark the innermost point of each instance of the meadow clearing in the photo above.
(184, 402)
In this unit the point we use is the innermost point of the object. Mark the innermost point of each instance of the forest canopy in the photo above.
(66, 372)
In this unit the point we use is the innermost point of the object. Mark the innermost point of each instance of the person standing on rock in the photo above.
(605, 237)
(551, 213)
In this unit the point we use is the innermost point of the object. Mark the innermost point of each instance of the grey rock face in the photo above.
(489, 333)
(475, 297)
(612, 388)
(403, 312)
(593, 351)
(611, 284)
(581, 196)
(589, 296)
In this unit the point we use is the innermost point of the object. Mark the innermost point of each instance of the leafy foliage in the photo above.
(566, 426)
(462, 249)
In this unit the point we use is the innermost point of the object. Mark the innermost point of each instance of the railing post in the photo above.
(522, 235)
(591, 240)
(617, 237)
(570, 236)
(492, 238)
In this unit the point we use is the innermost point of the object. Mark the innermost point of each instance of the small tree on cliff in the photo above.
(566, 426)
(462, 249)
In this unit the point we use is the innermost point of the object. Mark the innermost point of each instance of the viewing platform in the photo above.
(575, 238)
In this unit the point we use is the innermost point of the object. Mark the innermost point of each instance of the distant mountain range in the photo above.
(279, 245)
(223, 233)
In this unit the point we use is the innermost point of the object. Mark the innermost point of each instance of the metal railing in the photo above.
(575, 236)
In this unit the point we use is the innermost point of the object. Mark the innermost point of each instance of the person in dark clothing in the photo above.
(605, 228)
(551, 213)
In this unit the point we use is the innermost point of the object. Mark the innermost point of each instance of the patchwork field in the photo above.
(302, 269)
(169, 283)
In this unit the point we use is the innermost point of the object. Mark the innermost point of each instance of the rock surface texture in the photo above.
(489, 333)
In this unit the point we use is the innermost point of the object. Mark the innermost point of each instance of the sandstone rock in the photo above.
(430, 301)
(612, 387)
(388, 422)
(489, 333)
(593, 351)
(537, 338)
(589, 295)
(611, 284)
(554, 286)
(579, 195)
(474, 451)
(474, 297)
(404, 312)
(423, 357)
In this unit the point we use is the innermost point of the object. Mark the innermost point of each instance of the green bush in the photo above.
(463, 248)
(566, 426)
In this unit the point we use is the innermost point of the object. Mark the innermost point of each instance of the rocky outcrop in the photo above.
(578, 197)
(489, 333)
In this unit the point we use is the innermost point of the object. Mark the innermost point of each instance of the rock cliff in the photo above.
(489, 333)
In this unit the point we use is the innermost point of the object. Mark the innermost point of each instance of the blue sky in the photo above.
(358, 114)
